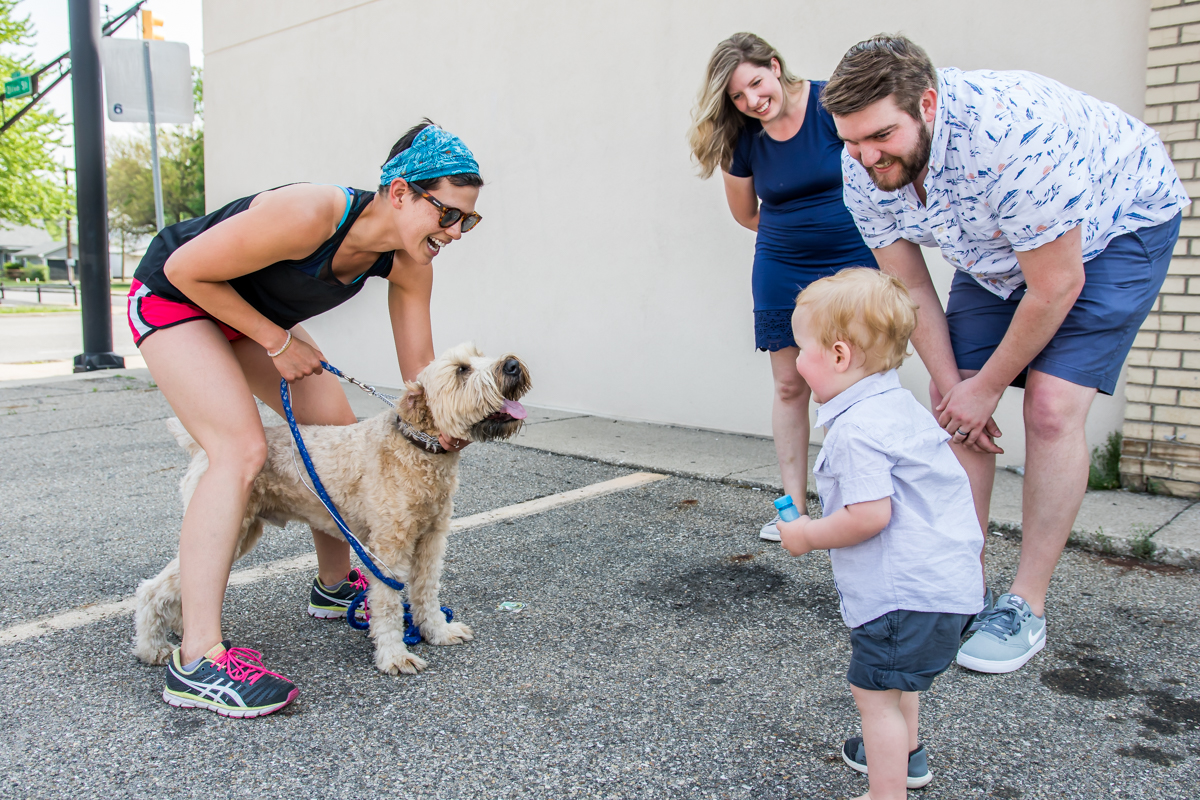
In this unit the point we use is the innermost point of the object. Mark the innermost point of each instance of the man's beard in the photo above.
(911, 163)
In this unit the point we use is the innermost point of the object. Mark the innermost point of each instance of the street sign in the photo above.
(125, 80)
(19, 86)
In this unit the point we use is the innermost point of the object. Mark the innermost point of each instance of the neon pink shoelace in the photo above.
(244, 664)
(361, 584)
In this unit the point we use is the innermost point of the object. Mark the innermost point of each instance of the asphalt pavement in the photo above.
(664, 651)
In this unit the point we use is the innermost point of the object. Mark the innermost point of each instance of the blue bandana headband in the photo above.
(434, 153)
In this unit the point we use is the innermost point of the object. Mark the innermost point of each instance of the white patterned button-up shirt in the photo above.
(1018, 160)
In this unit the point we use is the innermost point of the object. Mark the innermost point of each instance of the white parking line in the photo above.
(94, 612)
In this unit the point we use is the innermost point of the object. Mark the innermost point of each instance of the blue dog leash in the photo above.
(412, 635)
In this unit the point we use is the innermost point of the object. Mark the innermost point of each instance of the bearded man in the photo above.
(1060, 214)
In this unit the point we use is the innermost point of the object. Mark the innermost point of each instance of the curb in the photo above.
(1142, 549)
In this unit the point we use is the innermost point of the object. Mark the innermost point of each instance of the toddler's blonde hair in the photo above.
(865, 308)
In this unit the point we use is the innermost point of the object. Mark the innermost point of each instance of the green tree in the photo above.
(32, 188)
(181, 161)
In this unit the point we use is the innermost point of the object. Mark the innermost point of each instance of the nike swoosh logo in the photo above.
(1034, 638)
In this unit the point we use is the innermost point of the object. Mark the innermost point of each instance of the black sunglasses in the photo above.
(449, 215)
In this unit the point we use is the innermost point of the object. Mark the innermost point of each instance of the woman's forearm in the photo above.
(751, 223)
(412, 326)
(223, 302)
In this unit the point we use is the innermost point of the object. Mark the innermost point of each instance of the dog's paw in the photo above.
(155, 656)
(401, 661)
(447, 633)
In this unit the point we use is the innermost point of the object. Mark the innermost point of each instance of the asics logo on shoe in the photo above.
(216, 691)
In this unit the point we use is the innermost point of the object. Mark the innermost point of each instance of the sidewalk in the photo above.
(1165, 529)
(1160, 528)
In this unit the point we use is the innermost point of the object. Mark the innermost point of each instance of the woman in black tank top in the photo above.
(249, 273)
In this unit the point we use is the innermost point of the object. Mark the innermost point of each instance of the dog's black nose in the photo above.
(512, 367)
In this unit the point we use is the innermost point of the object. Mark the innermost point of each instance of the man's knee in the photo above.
(1054, 410)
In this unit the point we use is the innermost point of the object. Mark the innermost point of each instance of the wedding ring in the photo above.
(961, 432)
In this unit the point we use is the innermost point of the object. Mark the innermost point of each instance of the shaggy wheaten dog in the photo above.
(395, 495)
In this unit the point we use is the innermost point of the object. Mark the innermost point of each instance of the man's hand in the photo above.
(965, 412)
(791, 535)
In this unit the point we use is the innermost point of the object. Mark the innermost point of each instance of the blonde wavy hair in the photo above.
(716, 122)
(868, 309)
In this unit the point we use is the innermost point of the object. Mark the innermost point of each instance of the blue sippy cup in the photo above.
(787, 509)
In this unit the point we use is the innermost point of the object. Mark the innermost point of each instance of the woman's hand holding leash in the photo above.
(296, 359)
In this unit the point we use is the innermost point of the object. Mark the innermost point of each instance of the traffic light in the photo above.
(150, 25)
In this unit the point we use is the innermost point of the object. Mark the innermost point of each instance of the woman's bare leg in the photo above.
(790, 423)
(197, 372)
(316, 400)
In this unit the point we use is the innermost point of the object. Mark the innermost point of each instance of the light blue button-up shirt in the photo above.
(1017, 160)
(880, 442)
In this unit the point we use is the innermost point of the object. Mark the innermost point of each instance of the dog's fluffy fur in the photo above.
(395, 496)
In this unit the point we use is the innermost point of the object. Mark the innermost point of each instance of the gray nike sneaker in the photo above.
(1009, 636)
(770, 531)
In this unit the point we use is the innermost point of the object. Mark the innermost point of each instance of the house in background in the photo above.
(54, 255)
(29, 245)
(15, 240)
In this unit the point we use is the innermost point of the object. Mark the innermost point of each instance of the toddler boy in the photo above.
(898, 519)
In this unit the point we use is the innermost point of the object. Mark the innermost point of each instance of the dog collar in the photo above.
(421, 439)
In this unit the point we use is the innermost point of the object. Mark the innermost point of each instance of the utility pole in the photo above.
(90, 190)
(150, 25)
(69, 259)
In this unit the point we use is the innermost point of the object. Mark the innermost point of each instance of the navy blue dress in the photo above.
(804, 229)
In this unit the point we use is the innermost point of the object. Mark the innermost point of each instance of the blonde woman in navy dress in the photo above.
(780, 158)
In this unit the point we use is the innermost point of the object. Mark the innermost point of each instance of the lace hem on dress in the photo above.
(773, 329)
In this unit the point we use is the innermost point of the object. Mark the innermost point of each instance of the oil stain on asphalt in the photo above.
(1097, 678)
(1094, 677)
(709, 589)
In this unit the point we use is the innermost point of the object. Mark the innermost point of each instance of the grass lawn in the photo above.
(31, 285)
(39, 309)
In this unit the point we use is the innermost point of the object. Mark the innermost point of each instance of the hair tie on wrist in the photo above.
(279, 352)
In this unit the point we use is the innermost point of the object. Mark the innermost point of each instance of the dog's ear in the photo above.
(413, 406)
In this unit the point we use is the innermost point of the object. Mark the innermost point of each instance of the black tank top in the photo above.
(288, 292)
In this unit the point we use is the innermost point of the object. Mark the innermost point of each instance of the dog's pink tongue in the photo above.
(515, 409)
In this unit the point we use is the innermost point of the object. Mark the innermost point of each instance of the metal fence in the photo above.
(73, 290)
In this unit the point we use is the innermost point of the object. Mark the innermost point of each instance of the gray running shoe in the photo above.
(1009, 636)
(770, 531)
(332, 603)
(231, 681)
(854, 753)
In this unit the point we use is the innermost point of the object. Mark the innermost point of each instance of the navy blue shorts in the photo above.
(904, 650)
(1090, 347)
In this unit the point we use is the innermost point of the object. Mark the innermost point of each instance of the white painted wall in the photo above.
(602, 259)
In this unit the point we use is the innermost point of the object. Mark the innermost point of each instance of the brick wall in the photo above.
(1161, 450)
